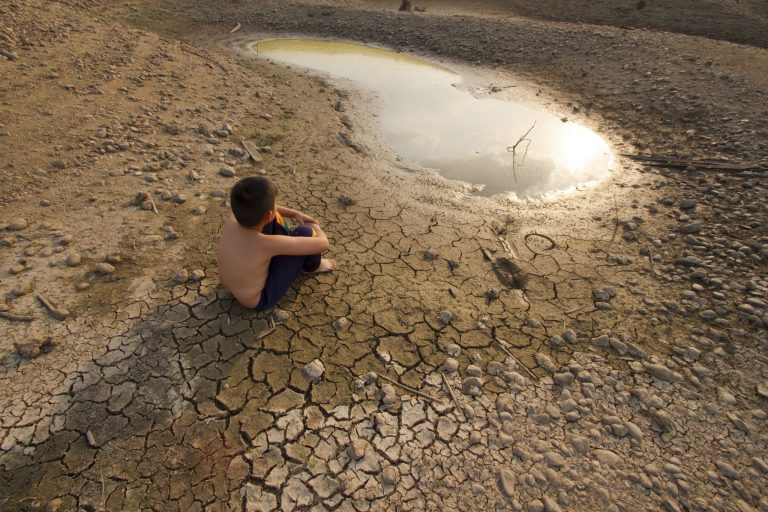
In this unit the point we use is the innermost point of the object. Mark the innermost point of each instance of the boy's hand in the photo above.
(303, 218)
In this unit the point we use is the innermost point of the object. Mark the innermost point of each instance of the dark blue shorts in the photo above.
(284, 269)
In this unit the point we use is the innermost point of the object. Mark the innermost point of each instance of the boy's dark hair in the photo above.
(252, 198)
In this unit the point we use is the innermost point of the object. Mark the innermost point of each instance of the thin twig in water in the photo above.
(513, 149)
(453, 395)
(407, 388)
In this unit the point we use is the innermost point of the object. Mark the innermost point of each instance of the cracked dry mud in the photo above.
(627, 373)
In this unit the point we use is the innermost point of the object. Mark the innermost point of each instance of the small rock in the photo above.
(694, 227)
(82, 286)
(492, 294)
(390, 475)
(445, 317)
(227, 172)
(182, 276)
(357, 449)
(494, 368)
(453, 350)
(507, 482)
(22, 288)
(91, 439)
(278, 315)
(472, 386)
(430, 255)
(727, 470)
(199, 210)
(341, 324)
(474, 371)
(54, 505)
(554, 459)
(73, 260)
(661, 372)
(197, 275)
(551, 505)
(314, 371)
(346, 200)
(545, 362)
(104, 268)
(450, 365)
(607, 457)
(18, 224)
(35, 346)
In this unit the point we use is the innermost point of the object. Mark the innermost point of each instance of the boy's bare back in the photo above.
(243, 262)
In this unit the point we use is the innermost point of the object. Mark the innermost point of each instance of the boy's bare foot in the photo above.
(325, 266)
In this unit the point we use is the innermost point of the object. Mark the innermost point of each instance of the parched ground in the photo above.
(452, 362)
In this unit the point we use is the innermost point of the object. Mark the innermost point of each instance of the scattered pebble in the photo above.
(104, 268)
(314, 371)
(18, 224)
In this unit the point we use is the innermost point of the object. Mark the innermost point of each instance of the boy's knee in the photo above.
(302, 230)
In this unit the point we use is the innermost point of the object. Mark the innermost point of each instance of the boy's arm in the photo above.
(295, 214)
(298, 245)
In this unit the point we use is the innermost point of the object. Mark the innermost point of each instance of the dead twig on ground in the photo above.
(507, 247)
(264, 334)
(16, 318)
(650, 260)
(513, 149)
(453, 395)
(503, 344)
(237, 27)
(616, 221)
(58, 314)
(408, 388)
(152, 202)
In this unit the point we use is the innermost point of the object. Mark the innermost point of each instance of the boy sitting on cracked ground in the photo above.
(259, 256)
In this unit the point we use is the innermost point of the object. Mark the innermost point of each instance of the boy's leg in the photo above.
(283, 271)
(312, 261)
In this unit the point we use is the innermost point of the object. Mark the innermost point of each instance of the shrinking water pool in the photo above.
(429, 121)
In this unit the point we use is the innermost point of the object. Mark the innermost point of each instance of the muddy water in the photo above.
(429, 120)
